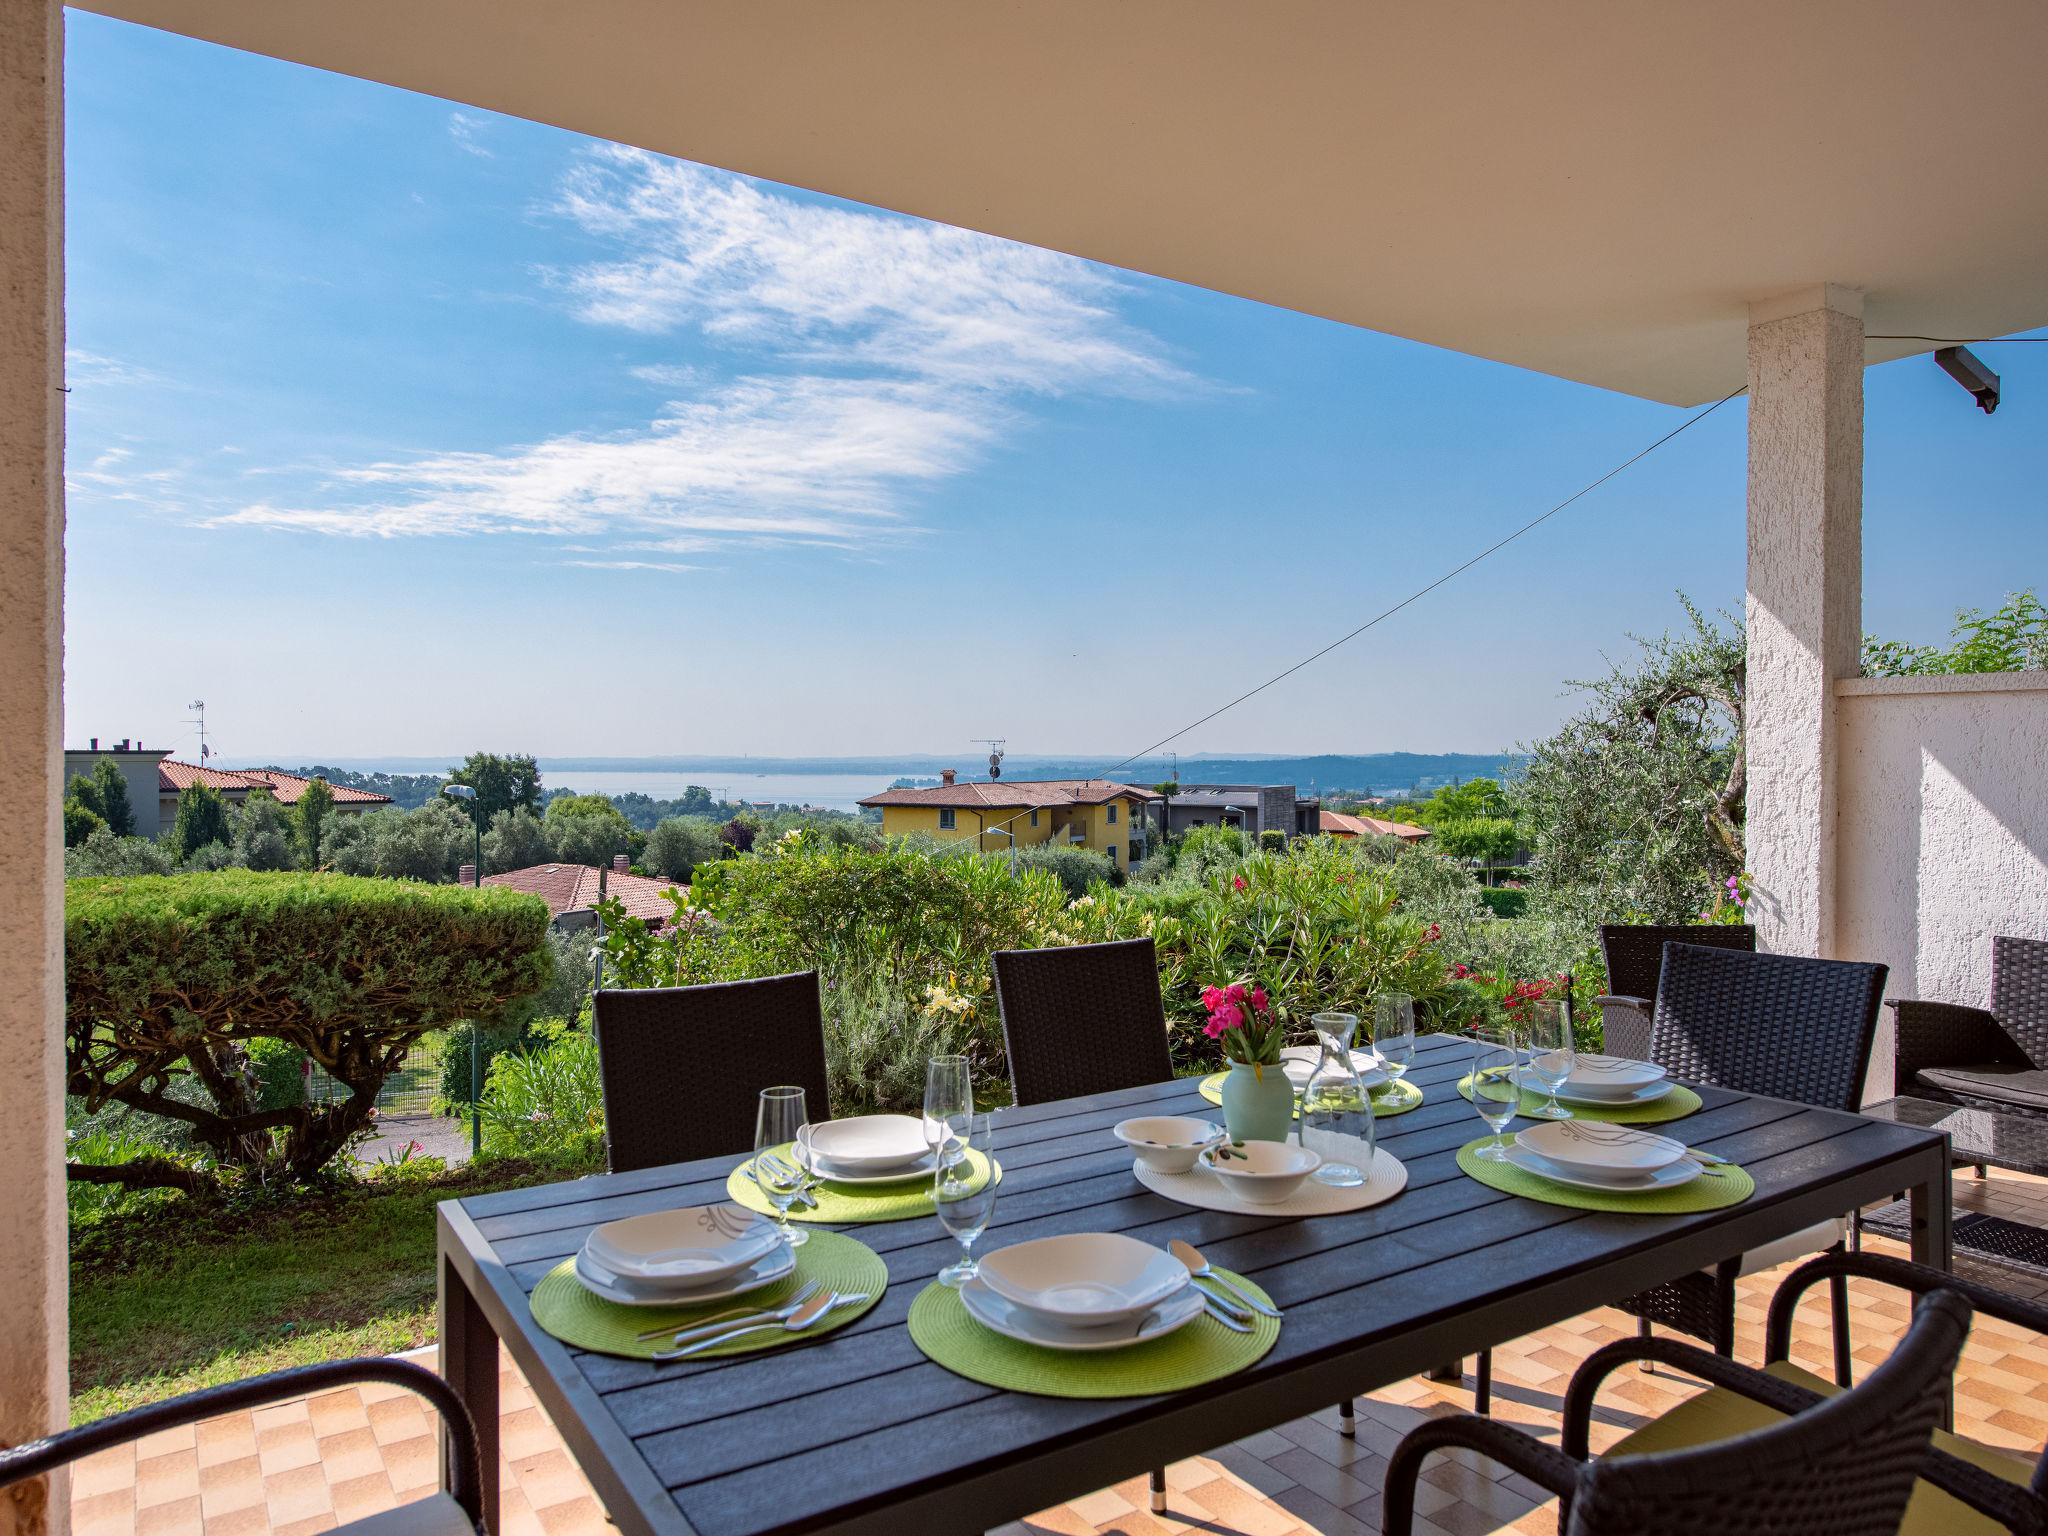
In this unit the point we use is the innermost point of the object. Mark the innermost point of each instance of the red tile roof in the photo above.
(573, 888)
(1014, 794)
(1343, 824)
(173, 777)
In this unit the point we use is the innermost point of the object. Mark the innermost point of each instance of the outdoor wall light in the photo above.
(1962, 365)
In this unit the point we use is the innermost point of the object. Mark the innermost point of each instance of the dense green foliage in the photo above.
(678, 844)
(103, 793)
(310, 818)
(501, 782)
(81, 823)
(202, 821)
(170, 979)
(1634, 809)
(430, 844)
(1075, 868)
(2011, 638)
(1472, 820)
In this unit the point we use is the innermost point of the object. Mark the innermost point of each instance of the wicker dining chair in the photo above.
(683, 1067)
(1831, 1466)
(1995, 1057)
(1081, 1019)
(1784, 1025)
(1635, 956)
(457, 1512)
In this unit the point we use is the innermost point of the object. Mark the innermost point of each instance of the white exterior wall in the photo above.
(33, 1333)
(138, 771)
(1805, 602)
(1942, 832)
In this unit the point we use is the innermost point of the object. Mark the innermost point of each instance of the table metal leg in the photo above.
(1932, 1214)
(469, 1364)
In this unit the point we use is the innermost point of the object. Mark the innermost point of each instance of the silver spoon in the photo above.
(1198, 1268)
(796, 1322)
(719, 1322)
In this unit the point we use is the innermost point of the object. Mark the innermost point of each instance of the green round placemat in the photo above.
(845, 1203)
(572, 1314)
(1396, 1099)
(1675, 1105)
(1204, 1350)
(1724, 1184)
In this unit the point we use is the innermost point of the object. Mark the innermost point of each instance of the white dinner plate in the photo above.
(1645, 1095)
(1084, 1279)
(832, 1173)
(868, 1143)
(1595, 1150)
(600, 1281)
(1013, 1322)
(1612, 1077)
(693, 1246)
(1671, 1176)
(1299, 1063)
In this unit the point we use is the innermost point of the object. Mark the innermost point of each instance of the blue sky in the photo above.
(398, 428)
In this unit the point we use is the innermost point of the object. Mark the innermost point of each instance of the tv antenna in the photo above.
(995, 754)
(198, 708)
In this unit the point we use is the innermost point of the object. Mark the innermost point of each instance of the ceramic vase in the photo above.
(1258, 1102)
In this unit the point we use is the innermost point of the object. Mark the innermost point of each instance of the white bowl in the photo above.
(1168, 1143)
(1600, 1151)
(1084, 1279)
(1610, 1077)
(869, 1143)
(998, 1314)
(696, 1245)
(1261, 1172)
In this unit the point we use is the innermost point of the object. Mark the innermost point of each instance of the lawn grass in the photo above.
(191, 1294)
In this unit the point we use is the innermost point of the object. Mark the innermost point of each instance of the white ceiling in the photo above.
(1592, 188)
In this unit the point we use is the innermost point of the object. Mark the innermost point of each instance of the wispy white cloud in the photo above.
(632, 565)
(89, 370)
(882, 355)
(465, 129)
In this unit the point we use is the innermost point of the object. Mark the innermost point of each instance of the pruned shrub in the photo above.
(1075, 868)
(170, 979)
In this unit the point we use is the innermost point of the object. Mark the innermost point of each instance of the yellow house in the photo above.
(1081, 813)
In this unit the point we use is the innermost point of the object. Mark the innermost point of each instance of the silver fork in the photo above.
(797, 1323)
(733, 1315)
(783, 1168)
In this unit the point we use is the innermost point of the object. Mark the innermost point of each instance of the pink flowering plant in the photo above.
(1245, 1021)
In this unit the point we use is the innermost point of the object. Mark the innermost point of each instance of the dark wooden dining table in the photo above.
(858, 1431)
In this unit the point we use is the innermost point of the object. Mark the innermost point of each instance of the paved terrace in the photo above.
(302, 1467)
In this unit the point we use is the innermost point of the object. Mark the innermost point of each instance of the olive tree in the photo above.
(1635, 807)
(170, 979)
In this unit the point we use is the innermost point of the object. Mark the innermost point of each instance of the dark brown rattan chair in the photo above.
(1840, 1466)
(1635, 957)
(458, 1512)
(1992, 1058)
(1082, 1019)
(1783, 1025)
(683, 1067)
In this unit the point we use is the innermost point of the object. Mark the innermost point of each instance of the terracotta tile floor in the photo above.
(308, 1465)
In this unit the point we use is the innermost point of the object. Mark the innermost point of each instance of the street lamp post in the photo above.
(476, 1040)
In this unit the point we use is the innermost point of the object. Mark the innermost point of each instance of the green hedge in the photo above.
(175, 976)
(1504, 902)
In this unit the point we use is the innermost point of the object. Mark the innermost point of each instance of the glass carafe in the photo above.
(1335, 1104)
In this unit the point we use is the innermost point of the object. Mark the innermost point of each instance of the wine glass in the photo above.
(1551, 1053)
(1496, 1089)
(948, 1095)
(1393, 1034)
(778, 1123)
(1334, 1104)
(964, 1191)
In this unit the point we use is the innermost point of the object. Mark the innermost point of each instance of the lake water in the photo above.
(834, 791)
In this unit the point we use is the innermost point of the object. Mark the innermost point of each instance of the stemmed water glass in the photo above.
(948, 1096)
(1496, 1088)
(779, 1123)
(1393, 1034)
(964, 1190)
(1551, 1053)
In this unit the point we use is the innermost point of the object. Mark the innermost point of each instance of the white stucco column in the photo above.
(33, 1340)
(1805, 607)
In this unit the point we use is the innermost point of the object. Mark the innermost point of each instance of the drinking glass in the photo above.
(1334, 1103)
(778, 1122)
(948, 1095)
(1496, 1088)
(1551, 1053)
(964, 1191)
(1393, 1034)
